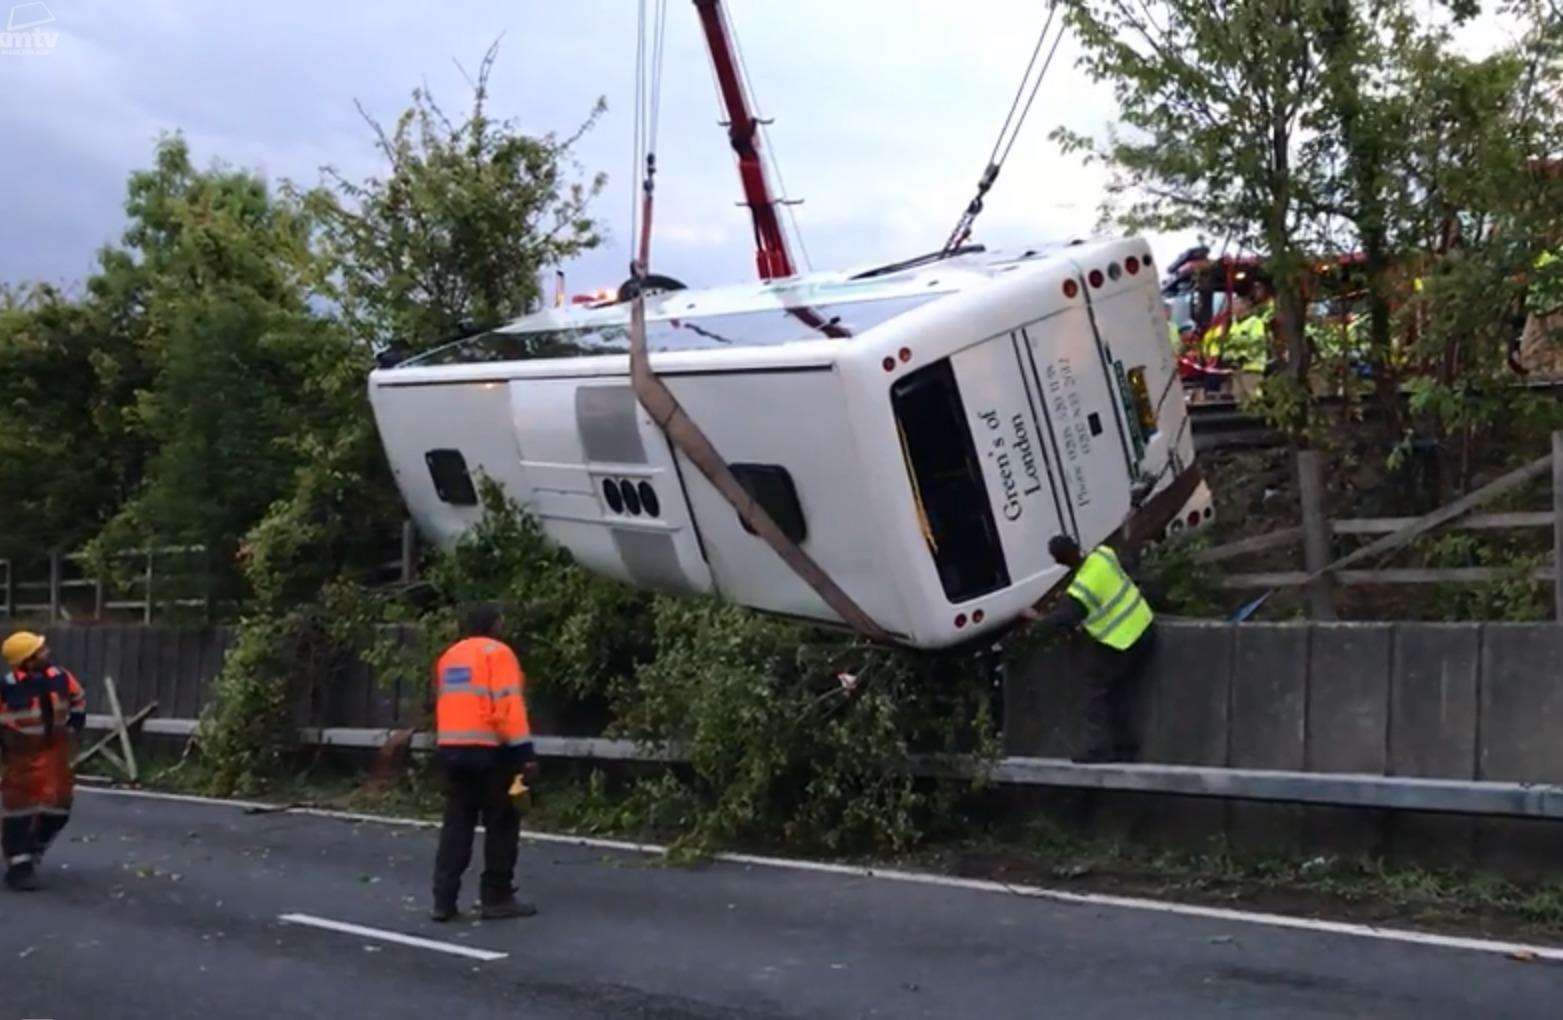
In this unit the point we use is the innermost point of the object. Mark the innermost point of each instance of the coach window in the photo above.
(452, 481)
(772, 488)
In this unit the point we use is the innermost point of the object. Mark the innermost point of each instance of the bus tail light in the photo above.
(960, 620)
(889, 364)
(1132, 264)
(978, 616)
(905, 354)
(1071, 288)
(1096, 277)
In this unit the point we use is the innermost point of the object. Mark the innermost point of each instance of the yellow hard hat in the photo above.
(21, 646)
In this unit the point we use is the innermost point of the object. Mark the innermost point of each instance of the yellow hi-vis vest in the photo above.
(1116, 613)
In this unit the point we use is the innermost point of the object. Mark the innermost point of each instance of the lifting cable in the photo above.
(1009, 132)
(653, 394)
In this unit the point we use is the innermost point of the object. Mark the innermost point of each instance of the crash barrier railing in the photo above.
(1454, 796)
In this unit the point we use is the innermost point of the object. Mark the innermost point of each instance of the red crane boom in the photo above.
(770, 244)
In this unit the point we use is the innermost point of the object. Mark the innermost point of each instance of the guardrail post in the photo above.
(56, 572)
(1316, 532)
(1557, 524)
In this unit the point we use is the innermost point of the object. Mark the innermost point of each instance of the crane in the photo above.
(771, 254)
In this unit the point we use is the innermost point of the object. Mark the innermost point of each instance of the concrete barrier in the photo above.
(1443, 701)
(1447, 701)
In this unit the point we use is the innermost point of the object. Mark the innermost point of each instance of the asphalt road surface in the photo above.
(160, 909)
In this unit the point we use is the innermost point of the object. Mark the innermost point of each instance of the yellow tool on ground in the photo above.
(520, 794)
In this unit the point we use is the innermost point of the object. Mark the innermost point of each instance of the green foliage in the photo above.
(64, 446)
(458, 230)
(1513, 597)
(1181, 585)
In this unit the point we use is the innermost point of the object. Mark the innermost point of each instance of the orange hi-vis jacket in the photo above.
(37, 711)
(478, 683)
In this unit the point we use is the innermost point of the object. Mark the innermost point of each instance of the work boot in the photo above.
(21, 878)
(442, 912)
(497, 910)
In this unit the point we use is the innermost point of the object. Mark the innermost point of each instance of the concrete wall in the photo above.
(1464, 701)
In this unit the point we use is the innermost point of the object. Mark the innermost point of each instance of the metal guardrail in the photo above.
(1403, 793)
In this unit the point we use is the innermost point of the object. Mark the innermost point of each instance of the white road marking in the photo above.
(487, 956)
(1524, 950)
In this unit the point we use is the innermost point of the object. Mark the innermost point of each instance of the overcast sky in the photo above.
(884, 114)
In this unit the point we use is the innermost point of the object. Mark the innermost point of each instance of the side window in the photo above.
(452, 481)
(771, 486)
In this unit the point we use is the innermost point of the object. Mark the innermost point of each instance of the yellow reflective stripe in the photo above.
(468, 737)
(1139, 601)
(1123, 591)
(1086, 595)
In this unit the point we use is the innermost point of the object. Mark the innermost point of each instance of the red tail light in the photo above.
(1095, 277)
(960, 620)
(905, 354)
(1071, 288)
(889, 364)
(1132, 264)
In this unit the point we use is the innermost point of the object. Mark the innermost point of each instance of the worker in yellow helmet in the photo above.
(42, 709)
(1106, 603)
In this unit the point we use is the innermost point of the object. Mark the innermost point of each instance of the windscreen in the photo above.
(952, 499)
(759, 327)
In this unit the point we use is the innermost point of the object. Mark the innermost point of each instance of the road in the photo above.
(155, 908)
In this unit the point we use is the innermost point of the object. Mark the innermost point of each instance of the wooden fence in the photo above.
(1317, 530)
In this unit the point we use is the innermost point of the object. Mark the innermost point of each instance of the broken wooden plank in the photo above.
(1444, 514)
(1406, 575)
(1475, 522)
(1243, 546)
(119, 716)
(101, 746)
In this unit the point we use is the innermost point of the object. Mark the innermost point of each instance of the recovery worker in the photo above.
(42, 708)
(1108, 605)
(483, 741)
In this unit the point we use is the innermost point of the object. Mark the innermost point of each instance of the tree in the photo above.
(455, 233)
(224, 330)
(66, 460)
(1216, 101)
(458, 230)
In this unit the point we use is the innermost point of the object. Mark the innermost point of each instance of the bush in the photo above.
(779, 747)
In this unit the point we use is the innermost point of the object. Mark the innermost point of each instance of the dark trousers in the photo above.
(474, 792)
(1112, 691)
(29, 835)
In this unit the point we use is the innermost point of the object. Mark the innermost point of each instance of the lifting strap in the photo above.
(688, 439)
(654, 395)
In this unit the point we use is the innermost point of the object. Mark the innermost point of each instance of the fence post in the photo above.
(409, 552)
(1557, 524)
(1316, 532)
(56, 568)
(146, 609)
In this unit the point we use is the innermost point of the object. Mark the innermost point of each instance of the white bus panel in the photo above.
(921, 433)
